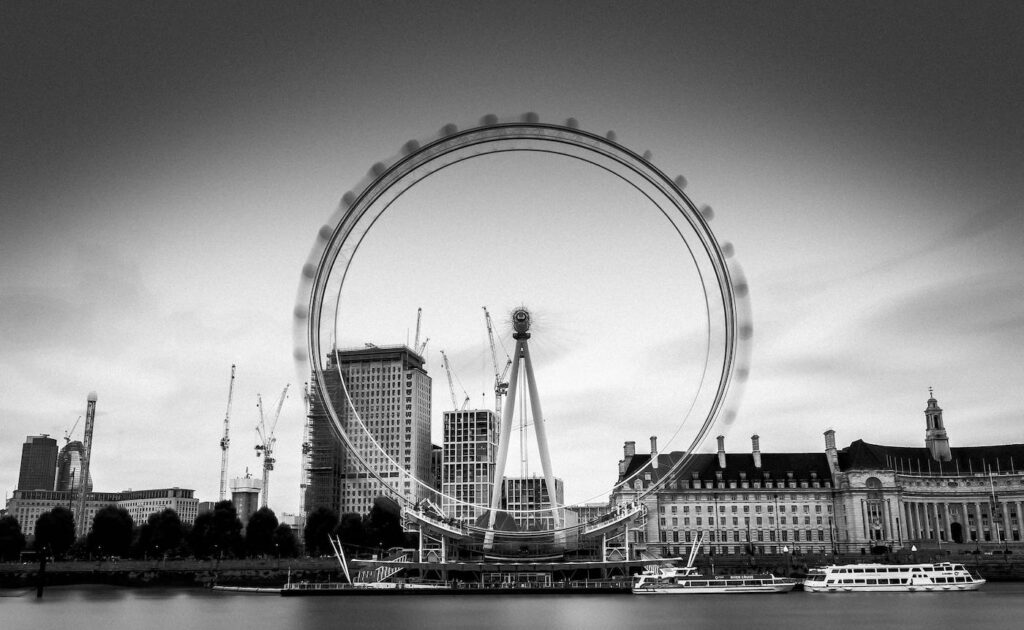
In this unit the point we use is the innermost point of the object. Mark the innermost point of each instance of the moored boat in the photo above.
(680, 580)
(944, 576)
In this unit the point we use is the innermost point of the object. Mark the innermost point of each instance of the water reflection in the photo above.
(111, 608)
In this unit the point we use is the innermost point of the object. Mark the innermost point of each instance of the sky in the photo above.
(165, 168)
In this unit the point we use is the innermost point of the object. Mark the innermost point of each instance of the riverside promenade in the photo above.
(275, 572)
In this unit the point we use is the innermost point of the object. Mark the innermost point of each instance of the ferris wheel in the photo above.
(725, 296)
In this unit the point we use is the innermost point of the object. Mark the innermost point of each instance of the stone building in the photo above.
(861, 497)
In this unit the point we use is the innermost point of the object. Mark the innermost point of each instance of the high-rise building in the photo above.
(526, 500)
(69, 468)
(38, 463)
(386, 415)
(469, 460)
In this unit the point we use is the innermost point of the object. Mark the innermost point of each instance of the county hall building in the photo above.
(845, 500)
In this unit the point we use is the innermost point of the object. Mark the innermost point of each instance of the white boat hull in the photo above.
(891, 588)
(707, 590)
(902, 578)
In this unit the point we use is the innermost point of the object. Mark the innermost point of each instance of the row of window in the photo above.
(723, 521)
(746, 509)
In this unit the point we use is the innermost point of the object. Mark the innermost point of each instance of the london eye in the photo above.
(319, 325)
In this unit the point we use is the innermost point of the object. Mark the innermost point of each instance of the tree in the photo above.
(12, 541)
(217, 533)
(163, 533)
(55, 532)
(285, 543)
(200, 537)
(111, 532)
(259, 532)
(351, 531)
(384, 528)
(319, 525)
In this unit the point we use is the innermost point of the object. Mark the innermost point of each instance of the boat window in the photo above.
(872, 581)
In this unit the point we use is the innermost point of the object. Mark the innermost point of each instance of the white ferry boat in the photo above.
(944, 576)
(688, 579)
(673, 580)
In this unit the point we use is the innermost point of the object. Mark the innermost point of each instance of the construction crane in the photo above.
(307, 451)
(416, 345)
(416, 339)
(90, 421)
(451, 386)
(265, 446)
(226, 440)
(500, 382)
(67, 434)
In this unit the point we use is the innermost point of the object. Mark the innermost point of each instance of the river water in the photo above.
(111, 608)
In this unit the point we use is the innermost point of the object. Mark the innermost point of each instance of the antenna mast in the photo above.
(226, 440)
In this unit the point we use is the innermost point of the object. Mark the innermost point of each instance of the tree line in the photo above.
(215, 534)
(218, 533)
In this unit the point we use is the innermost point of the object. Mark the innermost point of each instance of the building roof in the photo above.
(861, 455)
(705, 465)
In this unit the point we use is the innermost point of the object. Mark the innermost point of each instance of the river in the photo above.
(997, 605)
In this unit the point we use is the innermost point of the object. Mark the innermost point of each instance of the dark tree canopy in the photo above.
(162, 534)
(319, 525)
(200, 537)
(111, 533)
(12, 540)
(351, 531)
(218, 533)
(384, 527)
(259, 532)
(285, 544)
(55, 531)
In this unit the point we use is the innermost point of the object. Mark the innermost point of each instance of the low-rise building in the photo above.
(28, 505)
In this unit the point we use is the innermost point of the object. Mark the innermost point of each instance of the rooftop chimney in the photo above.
(721, 451)
(830, 440)
(629, 449)
(831, 454)
(756, 442)
(654, 452)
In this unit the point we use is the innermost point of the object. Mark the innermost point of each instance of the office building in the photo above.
(468, 462)
(38, 463)
(381, 395)
(28, 505)
(526, 500)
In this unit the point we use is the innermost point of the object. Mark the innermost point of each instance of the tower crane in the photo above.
(500, 382)
(451, 387)
(265, 446)
(416, 345)
(416, 339)
(307, 451)
(226, 440)
(67, 434)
